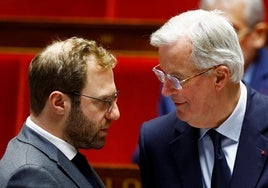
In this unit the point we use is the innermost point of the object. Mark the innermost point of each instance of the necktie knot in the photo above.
(81, 163)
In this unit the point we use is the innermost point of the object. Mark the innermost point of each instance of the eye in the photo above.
(176, 76)
(102, 104)
(107, 99)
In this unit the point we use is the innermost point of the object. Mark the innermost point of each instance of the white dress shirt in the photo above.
(231, 129)
(67, 149)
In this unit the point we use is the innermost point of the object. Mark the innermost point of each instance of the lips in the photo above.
(104, 130)
(179, 103)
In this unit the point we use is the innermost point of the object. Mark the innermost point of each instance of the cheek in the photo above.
(89, 109)
(197, 102)
(92, 113)
(201, 98)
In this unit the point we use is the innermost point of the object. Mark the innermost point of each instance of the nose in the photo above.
(168, 89)
(114, 114)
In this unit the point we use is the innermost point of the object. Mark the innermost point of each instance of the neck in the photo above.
(227, 102)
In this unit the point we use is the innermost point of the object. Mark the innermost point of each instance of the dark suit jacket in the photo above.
(259, 80)
(169, 152)
(31, 161)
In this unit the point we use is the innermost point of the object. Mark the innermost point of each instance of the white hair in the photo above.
(254, 11)
(214, 40)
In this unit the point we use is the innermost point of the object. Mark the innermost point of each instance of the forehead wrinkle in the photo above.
(176, 58)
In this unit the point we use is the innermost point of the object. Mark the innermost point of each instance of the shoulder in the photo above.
(22, 159)
(29, 175)
(257, 106)
(30, 158)
(256, 100)
(20, 152)
(20, 156)
(161, 122)
(30, 165)
(164, 127)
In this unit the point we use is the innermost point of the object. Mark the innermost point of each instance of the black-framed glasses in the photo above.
(110, 100)
(175, 81)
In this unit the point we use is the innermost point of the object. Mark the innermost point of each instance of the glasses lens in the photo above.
(110, 105)
(159, 74)
(162, 77)
(111, 102)
(175, 82)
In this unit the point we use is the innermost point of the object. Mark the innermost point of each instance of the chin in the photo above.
(181, 115)
(98, 144)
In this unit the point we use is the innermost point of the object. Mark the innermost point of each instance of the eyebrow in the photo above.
(109, 95)
(175, 74)
(179, 75)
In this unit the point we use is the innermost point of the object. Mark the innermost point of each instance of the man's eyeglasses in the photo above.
(175, 81)
(109, 101)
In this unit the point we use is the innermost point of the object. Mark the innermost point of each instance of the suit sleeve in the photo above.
(32, 177)
(144, 163)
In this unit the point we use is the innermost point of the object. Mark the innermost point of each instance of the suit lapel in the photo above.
(100, 182)
(185, 152)
(253, 146)
(29, 136)
(251, 158)
(67, 166)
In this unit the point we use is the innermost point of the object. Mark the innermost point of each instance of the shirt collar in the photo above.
(231, 127)
(67, 149)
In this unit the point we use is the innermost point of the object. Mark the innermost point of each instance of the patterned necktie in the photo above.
(221, 174)
(81, 163)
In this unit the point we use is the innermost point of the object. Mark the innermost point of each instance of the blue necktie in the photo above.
(221, 174)
(81, 163)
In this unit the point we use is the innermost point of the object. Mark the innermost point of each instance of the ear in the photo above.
(260, 35)
(58, 102)
(222, 75)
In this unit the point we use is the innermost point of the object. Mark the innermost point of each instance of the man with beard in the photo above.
(72, 102)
